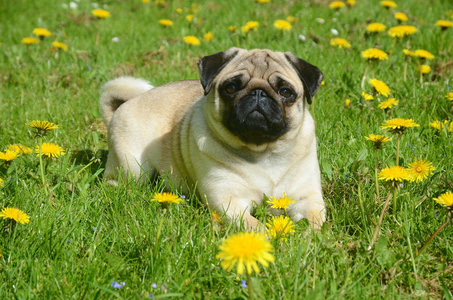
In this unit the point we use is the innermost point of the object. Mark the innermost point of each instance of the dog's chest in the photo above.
(268, 174)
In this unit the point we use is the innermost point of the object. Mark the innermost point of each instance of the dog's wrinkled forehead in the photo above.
(259, 64)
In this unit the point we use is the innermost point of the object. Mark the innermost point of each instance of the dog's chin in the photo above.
(256, 127)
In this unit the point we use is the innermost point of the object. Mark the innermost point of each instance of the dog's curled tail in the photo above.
(117, 91)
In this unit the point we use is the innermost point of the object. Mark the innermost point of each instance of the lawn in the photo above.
(87, 239)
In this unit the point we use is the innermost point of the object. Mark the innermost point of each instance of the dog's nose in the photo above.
(258, 93)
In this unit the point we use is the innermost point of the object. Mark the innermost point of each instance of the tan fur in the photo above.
(175, 130)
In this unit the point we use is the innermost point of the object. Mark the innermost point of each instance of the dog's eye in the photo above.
(286, 93)
(231, 88)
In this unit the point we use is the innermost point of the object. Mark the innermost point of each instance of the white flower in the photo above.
(334, 31)
(320, 20)
(302, 37)
(73, 5)
(115, 39)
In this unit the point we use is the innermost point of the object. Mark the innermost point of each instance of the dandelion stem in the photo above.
(405, 71)
(394, 201)
(98, 34)
(378, 226)
(442, 42)
(433, 236)
(398, 148)
(41, 165)
(362, 84)
(376, 174)
(249, 285)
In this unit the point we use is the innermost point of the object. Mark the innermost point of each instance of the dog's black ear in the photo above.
(310, 75)
(211, 65)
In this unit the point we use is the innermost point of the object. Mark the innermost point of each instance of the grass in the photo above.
(86, 234)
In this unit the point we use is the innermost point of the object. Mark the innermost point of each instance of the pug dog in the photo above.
(240, 132)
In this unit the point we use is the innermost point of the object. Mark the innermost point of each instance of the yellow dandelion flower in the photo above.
(398, 125)
(2, 184)
(100, 13)
(438, 125)
(375, 27)
(208, 36)
(216, 217)
(145, 1)
(378, 140)
(420, 169)
(449, 96)
(401, 17)
(166, 22)
(374, 54)
(283, 25)
(41, 127)
(424, 69)
(58, 45)
(337, 4)
(388, 4)
(41, 32)
(21, 149)
(282, 202)
(179, 10)
(291, 19)
(351, 2)
(394, 174)
(29, 41)
(340, 43)
(166, 198)
(347, 102)
(232, 28)
(191, 40)
(367, 97)
(280, 227)
(9, 155)
(408, 52)
(380, 87)
(250, 26)
(50, 150)
(389, 103)
(446, 199)
(15, 214)
(263, 1)
(402, 31)
(246, 250)
(423, 54)
(444, 24)
(190, 18)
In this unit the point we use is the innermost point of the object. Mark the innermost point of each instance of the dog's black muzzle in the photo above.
(257, 118)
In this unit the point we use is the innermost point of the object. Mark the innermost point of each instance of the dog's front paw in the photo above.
(316, 219)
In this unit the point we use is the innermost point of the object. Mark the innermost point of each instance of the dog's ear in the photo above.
(310, 75)
(211, 65)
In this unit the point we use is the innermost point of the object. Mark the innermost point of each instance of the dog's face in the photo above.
(258, 94)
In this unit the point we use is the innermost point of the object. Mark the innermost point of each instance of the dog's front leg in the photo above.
(310, 207)
(238, 211)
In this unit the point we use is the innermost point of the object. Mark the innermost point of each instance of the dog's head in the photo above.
(258, 94)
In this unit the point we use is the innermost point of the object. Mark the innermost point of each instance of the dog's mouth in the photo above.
(256, 118)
